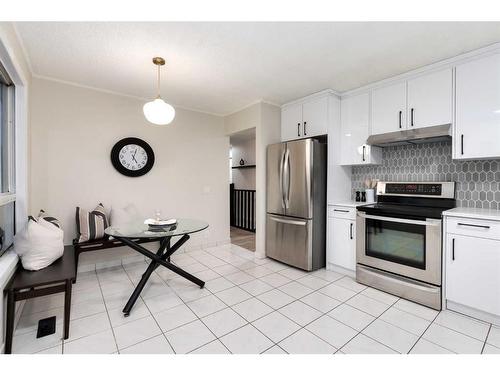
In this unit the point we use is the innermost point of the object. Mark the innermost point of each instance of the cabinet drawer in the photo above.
(342, 212)
(473, 227)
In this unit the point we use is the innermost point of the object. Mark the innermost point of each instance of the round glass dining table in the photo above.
(137, 229)
(130, 234)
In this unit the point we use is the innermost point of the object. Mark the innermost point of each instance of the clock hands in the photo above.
(133, 156)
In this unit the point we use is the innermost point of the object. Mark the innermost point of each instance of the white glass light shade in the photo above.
(158, 112)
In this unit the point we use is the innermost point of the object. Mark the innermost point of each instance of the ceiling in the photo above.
(221, 67)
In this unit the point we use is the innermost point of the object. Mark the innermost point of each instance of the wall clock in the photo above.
(132, 157)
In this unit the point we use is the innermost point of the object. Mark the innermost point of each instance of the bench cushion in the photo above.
(61, 270)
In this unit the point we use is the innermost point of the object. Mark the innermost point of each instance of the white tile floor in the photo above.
(248, 306)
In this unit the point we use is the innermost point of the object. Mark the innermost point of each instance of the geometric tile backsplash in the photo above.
(477, 181)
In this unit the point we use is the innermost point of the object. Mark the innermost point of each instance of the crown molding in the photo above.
(438, 65)
(116, 93)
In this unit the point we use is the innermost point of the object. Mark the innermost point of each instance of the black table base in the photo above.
(161, 258)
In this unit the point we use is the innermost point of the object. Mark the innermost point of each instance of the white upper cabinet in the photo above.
(430, 99)
(477, 121)
(355, 128)
(304, 119)
(389, 108)
(291, 122)
(315, 117)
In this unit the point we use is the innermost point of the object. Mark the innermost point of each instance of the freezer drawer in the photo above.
(289, 240)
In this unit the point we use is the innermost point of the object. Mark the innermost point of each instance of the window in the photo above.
(7, 161)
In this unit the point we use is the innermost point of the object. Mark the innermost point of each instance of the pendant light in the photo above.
(159, 112)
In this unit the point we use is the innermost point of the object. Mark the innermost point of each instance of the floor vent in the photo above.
(46, 327)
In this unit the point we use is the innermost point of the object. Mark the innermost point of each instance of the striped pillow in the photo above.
(50, 219)
(90, 225)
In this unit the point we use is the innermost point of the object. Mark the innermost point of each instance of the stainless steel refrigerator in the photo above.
(296, 203)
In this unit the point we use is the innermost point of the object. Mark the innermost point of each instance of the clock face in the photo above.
(132, 157)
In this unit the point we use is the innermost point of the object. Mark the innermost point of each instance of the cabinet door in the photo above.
(291, 122)
(355, 120)
(477, 123)
(342, 243)
(472, 277)
(315, 117)
(389, 109)
(430, 99)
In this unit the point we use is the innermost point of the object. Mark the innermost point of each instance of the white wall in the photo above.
(243, 149)
(266, 118)
(267, 133)
(72, 132)
(247, 118)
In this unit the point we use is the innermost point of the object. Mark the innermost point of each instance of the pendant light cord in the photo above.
(159, 81)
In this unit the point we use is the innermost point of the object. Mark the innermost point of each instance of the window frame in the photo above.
(9, 195)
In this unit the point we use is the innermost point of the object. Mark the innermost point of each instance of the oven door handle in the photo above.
(434, 223)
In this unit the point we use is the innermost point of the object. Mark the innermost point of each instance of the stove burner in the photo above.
(417, 200)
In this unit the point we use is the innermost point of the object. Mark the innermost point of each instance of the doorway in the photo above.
(242, 192)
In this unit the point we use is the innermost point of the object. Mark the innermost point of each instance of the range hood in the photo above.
(429, 134)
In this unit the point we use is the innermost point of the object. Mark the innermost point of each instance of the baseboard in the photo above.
(341, 270)
(121, 259)
(474, 313)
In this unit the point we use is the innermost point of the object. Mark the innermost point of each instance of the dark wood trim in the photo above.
(33, 293)
(23, 285)
(102, 244)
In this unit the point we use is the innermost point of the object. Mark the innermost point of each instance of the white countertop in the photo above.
(349, 203)
(473, 213)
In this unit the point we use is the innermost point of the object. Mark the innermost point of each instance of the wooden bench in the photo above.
(56, 278)
(102, 244)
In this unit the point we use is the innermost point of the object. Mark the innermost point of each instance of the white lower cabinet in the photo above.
(472, 259)
(341, 251)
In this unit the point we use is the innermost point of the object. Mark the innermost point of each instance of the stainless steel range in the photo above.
(398, 246)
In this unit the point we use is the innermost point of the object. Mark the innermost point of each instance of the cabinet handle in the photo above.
(350, 234)
(462, 144)
(305, 123)
(298, 129)
(340, 210)
(474, 225)
(400, 119)
(453, 249)
(364, 153)
(411, 115)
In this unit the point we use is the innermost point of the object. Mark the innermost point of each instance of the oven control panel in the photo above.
(413, 188)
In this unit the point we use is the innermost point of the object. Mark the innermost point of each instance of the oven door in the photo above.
(410, 248)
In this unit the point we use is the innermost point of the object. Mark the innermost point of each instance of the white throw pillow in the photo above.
(125, 216)
(39, 244)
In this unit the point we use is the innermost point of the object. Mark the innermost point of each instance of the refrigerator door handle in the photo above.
(287, 221)
(286, 174)
(282, 190)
